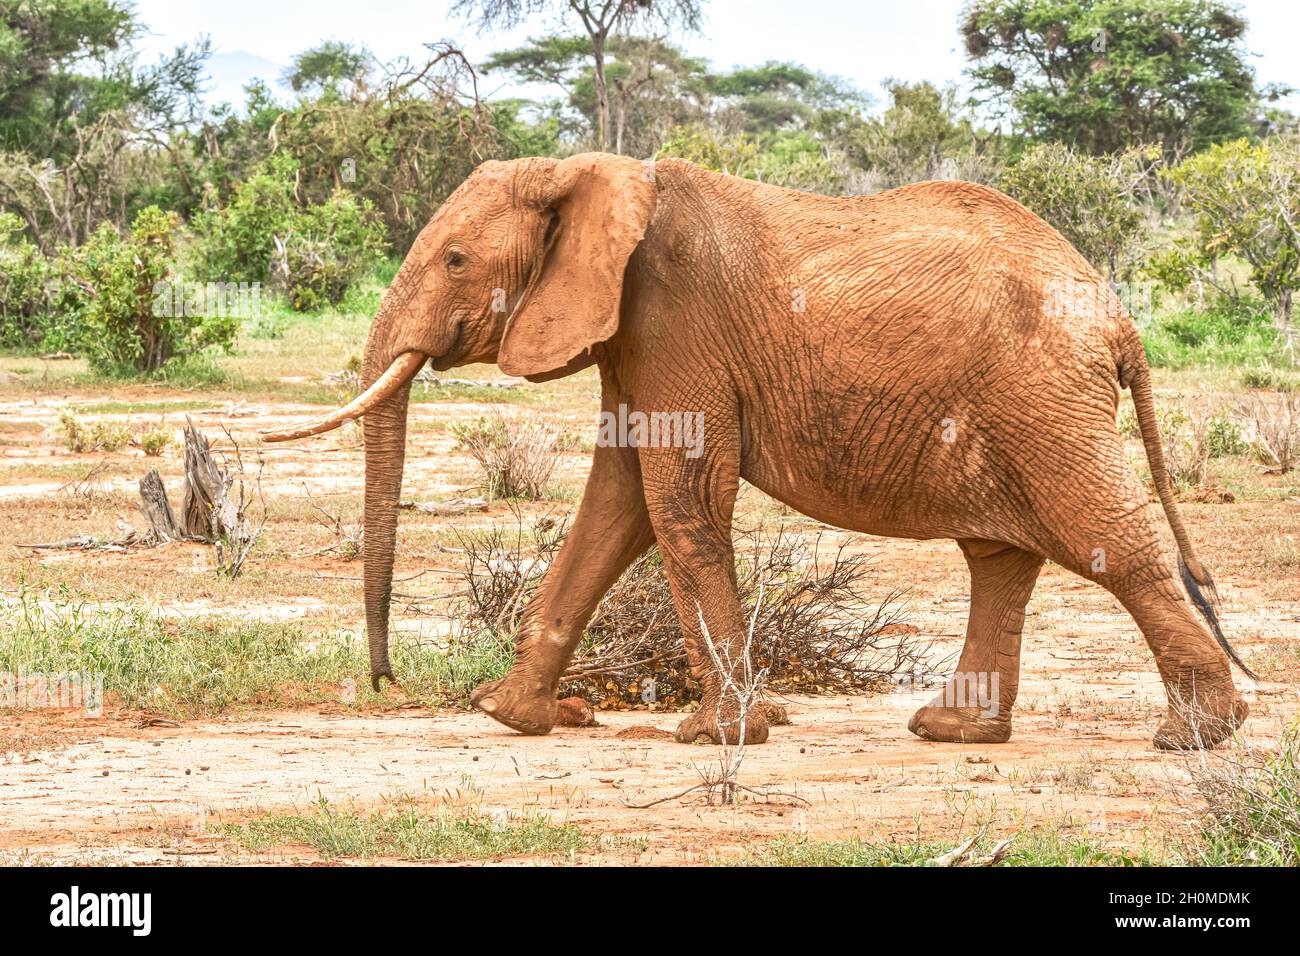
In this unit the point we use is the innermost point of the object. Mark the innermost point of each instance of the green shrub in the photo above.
(100, 435)
(38, 304)
(328, 248)
(1264, 377)
(264, 234)
(157, 440)
(1224, 437)
(1246, 199)
(790, 158)
(125, 326)
(236, 242)
(1094, 201)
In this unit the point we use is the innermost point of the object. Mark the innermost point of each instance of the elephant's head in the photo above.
(522, 266)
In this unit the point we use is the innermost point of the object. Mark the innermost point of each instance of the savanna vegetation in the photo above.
(164, 256)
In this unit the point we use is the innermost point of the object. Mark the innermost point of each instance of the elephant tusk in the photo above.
(398, 374)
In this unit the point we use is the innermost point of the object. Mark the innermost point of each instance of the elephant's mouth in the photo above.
(397, 375)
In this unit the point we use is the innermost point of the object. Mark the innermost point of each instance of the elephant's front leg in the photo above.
(691, 500)
(610, 531)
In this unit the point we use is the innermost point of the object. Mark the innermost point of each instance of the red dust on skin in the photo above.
(704, 294)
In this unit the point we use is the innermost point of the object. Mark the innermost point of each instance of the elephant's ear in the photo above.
(600, 207)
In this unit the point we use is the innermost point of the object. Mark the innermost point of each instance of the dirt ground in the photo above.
(119, 788)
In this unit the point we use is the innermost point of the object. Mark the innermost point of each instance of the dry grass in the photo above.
(516, 456)
(1275, 428)
(1250, 804)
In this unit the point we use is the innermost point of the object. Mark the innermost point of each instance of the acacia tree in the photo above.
(600, 20)
(1107, 75)
(652, 85)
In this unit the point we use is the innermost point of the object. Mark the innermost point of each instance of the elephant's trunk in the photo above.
(385, 434)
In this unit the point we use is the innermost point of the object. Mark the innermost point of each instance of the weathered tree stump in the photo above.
(157, 509)
(205, 491)
(210, 511)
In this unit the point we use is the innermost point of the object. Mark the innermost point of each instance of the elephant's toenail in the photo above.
(488, 705)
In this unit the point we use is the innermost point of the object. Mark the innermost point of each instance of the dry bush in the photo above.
(1274, 424)
(348, 534)
(816, 629)
(1187, 447)
(517, 456)
(88, 485)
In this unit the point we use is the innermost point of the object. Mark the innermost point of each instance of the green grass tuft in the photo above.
(202, 666)
(407, 833)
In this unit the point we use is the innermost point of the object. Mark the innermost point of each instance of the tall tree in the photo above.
(1105, 75)
(652, 85)
(600, 20)
(333, 68)
(64, 64)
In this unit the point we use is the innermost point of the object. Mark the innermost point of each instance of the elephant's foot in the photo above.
(1201, 723)
(960, 725)
(519, 704)
(705, 724)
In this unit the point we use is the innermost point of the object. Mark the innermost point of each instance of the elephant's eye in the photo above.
(455, 261)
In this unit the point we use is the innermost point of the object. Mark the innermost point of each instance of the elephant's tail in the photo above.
(1135, 374)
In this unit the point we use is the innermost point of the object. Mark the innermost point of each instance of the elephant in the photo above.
(934, 361)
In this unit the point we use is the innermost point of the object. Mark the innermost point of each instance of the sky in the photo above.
(865, 41)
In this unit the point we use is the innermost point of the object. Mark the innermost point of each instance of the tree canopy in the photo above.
(1106, 75)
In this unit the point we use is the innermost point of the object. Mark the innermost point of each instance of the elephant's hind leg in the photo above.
(975, 705)
(1116, 543)
(1203, 705)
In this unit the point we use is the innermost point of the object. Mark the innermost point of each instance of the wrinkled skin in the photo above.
(931, 362)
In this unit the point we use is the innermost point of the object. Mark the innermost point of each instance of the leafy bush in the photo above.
(925, 133)
(236, 242)
(264, 234)
(1264, 377)
(1246, 199)
(124, 327)
(328, 248)
(100, 435)
(37, 302)
(157, 440)
(1094, 201)
(792, 159)
(1224, 437)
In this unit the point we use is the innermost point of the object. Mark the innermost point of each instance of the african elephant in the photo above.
(930, 362)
